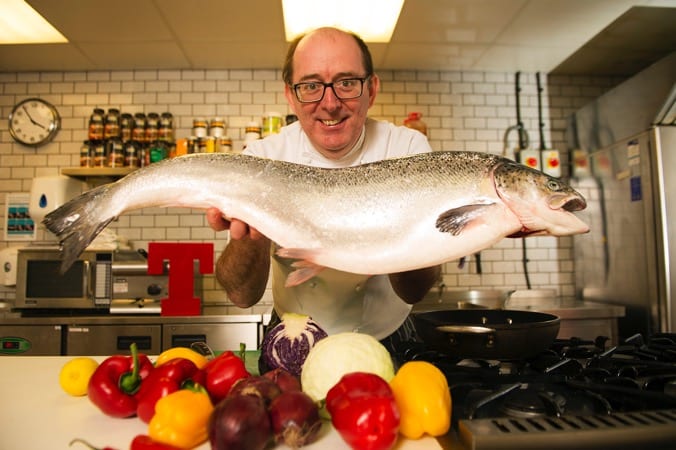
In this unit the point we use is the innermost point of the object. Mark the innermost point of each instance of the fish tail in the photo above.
(77, 222)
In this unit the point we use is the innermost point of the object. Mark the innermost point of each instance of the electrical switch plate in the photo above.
(551, 162)
(581, 164)
(530, 158)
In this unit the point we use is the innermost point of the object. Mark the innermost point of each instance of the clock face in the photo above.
(34, 122)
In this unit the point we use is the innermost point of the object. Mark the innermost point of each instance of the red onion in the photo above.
(258, 386)
(240, 422)
(295, 419)
(283, 379)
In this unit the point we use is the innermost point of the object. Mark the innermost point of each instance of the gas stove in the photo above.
(578, 394)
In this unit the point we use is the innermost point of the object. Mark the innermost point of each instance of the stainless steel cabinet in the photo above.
(93, 339)
(219, 336)
(30, 340)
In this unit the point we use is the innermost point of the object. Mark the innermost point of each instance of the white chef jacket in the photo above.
(340, 301)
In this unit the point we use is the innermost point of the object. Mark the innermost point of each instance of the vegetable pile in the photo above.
(348, 378)
(258, 413)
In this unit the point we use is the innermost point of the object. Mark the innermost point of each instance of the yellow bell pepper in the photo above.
(423, 398)
(181, 419)
(181, 352)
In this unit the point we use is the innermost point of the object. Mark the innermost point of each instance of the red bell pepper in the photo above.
(88, 445)
(115, 382)
(165, 379)
(145, 442)
(220, 374)
(140, 442)
(364, 412)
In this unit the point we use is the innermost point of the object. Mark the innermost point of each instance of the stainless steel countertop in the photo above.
(117, 319)
(542, 301)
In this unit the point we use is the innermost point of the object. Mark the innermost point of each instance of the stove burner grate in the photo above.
(645, 429)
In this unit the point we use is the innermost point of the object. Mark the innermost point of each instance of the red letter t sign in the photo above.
(181, 257)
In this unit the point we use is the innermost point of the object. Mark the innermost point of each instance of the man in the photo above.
(330, 85)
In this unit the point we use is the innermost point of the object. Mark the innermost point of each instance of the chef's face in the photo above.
(332, 125)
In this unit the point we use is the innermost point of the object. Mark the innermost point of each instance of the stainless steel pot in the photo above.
(487, 333)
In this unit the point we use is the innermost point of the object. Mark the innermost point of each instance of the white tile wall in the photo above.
(463, 111)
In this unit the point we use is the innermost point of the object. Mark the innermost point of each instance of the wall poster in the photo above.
(18, 223)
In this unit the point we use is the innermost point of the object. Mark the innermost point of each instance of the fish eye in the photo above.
(553, 185)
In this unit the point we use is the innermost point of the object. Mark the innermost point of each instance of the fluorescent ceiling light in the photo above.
(21, 24)
(373, 20)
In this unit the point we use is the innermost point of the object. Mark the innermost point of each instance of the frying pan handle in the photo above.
(467, 329)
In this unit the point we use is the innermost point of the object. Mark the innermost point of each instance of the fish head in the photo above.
(543, 204)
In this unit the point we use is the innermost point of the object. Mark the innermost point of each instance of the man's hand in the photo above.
(238, 229)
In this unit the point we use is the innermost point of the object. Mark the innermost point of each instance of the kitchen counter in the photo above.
(37, 414)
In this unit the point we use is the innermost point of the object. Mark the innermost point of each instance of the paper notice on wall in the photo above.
(18, 223)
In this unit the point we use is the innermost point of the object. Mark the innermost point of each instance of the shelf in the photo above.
(88, 172)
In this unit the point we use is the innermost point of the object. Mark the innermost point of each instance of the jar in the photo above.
(87, 154)
(126, 126)
(201, 146)
(415, 122)
(143, 156)
(199, 127)
(152, 127)
(252, 131)
(158, 151)
(217, 127)
(272, 123)
(100, 157)
(111, 127)
(210, 145)
(191, 145)
(131, 154)
(115, 152)
(96, 125)
(138, 133)
(166, 130)
(225, 144)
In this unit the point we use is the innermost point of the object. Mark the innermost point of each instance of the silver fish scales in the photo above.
(382, 217)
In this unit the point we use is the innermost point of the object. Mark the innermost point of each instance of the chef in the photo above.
(330, 85)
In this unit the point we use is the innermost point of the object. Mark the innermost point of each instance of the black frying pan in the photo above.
(487, 333)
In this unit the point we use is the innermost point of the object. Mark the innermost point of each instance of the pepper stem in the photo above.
(82, 441)
(242, 351)
(130, 381)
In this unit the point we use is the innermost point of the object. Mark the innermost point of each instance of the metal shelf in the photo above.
(88, 172)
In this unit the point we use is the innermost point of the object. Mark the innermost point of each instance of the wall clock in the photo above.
(34, 122)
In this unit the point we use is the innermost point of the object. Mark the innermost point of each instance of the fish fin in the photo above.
(455, 220)
(305, 268)
(302, 254)
(304, 271)
(77, 222)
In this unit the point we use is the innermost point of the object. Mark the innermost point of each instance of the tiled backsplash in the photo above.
(463, 111)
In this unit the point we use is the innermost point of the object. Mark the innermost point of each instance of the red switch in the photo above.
(181, 258)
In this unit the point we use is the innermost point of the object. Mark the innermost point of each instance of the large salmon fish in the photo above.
(383, 217)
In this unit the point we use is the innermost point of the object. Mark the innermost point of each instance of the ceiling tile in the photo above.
(43, 57)
(492, 35)
(136, 55)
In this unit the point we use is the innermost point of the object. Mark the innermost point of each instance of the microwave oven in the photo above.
(93, 282)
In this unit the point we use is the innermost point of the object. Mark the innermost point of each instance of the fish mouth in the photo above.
(575, 204)
(570, 203)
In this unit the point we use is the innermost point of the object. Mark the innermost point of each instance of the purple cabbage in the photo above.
(288, 343)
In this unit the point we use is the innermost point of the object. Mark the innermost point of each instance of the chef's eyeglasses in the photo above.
(343, 89)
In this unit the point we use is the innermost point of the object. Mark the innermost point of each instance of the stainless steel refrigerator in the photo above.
(629, 256)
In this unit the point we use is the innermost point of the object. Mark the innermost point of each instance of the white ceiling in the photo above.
(485, 35)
